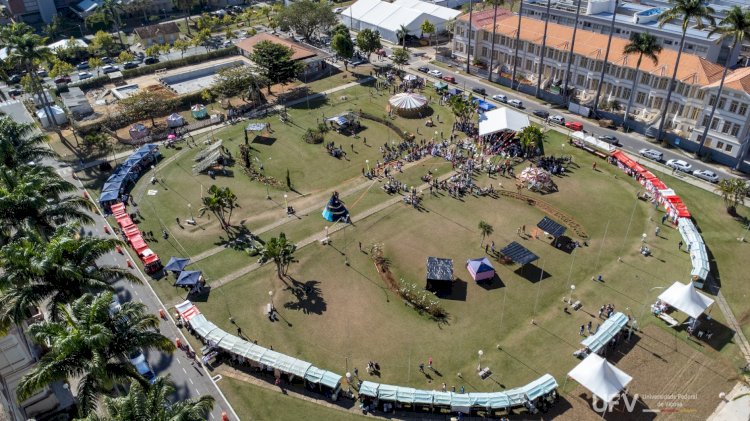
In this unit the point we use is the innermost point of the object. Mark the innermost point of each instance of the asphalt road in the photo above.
(190, 381)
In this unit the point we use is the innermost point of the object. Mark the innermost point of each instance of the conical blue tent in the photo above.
(188, 278)
(335, 210)
(177, 264)
(480, 269)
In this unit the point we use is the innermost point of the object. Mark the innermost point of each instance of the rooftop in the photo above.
(146, 32)
(485, 16)
(300, 52)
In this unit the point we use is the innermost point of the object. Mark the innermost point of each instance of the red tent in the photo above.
(131, 231)
(118, 208)
(125, 221)
(138, 243)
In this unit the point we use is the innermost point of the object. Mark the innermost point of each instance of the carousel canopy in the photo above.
(408, 101)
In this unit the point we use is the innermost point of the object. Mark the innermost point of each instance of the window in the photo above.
(667, 42)
(705, 121)
(725, 128)
(581, 80)
(584, 62)
(722, 102)
(719, 145)
(714, 123)
(626, 93)
(728, 148)
(663, 83)
(485, 36)
(484, 51)
(712, 100)
(640, 98)
(743, 109)
(733, 106)
(735, 130)
(694, 114)
(709, 142)
(644, 78)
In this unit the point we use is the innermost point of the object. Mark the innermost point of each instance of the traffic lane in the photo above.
(629, 143)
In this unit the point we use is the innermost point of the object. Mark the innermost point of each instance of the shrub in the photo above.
(313, 136)
(422, 300)
(91, 83)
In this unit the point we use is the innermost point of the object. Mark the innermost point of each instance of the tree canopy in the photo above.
(368, 41)
(145, 104)
(343, 46)
(307, 17)
(237, 81)
(275, 62)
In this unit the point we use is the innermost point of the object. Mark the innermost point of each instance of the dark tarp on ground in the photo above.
(439, 269)
(551, 227)
(518, 253)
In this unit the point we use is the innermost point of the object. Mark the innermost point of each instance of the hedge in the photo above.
(172, 64)
(91, 83)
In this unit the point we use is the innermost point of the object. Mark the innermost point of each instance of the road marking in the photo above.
(212, 415)
(178, 361)
(184, 371)
(191, 381)
(135, 292)
(197, 392)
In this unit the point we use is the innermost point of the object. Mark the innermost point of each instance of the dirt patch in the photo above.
(545, 207)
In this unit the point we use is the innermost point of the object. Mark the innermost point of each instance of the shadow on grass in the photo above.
(532, 273)
(489, 284)
(308, 295)
(455, 290)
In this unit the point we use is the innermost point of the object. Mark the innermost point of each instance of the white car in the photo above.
(557, 119)
(435, 72)
(338, 10)
(651, 154)
(143, 367)
(707, 175)
(501, 98)
(84, 75)
(680, 165)
(516, 103)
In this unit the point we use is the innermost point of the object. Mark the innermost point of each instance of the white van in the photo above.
(516, 103)
(651, 154)
(557, 119)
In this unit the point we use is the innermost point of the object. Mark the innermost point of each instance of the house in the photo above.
(162, 33)
(76, 103)
(313, 58)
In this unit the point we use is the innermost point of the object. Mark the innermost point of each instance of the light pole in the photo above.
(572, 289)
(270, 297)
(190, 207)
(479, 355)
(286, 203)
(367, 163)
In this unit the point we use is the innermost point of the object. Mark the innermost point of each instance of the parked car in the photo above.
(144, 369)
(651, 154)
(609, 139)
(450, 79)
(515, 103)
(707, 175)
(150, 60)
(83, 65)
(501, 98)
(541, 113)
(107, 60)
(62, 80)
(478, 90)
(338, 10)
(41, 73)
(14, 78)
(423, 69)
(435, 72)
(130, 65)
(114, 305)
(110, 69)
(15, 91)
(557, 119)
(574, 125)
(84, 75)
(679, 165)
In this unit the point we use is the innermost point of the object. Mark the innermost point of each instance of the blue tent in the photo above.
(188, 278)
(109, 195)
(484, 105)
(177, 264)
(335, 210)
(480, 269)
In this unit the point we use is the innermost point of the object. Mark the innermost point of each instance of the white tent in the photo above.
(501, 119)
(686, 299)
(600, 377)
(175, 120)
(55, 112)
(65, 43)
(387, 18)
(592, 141)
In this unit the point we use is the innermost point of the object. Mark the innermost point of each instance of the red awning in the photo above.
(658, 184)
(151, 259)
(125, 221)
(138, 243)
(190, 312)
(131, 231)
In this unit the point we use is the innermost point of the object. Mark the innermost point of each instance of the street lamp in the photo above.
(270, 296)
(286, 203)
(479, 354)
(367, 162)
(572, 289)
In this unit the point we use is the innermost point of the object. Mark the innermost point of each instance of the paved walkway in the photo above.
(731, 409)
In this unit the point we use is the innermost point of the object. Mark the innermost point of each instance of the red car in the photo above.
(62, 80)
(574, 125)
(450, 79)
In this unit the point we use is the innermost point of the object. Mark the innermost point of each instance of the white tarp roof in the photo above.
(686, 299)
(408, 101)
(392, 15)
(592, 141)
(698, 254)
(429, 8)
(600, 377)
(359, 9)
(64, 43)
(501, 119)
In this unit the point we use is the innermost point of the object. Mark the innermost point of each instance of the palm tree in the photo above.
(34, 199)
(220, 202)
(686, 11)
(468, 47)
(55, 272)
(544, 47)
(495, 3)
(187, 5)
(153, 403)
(485, 229)
(93, 346)
(733, 192)
(735, 27)
(643, 44)
(112, 9)
(605, 65)
(570, 52)
(461, 107)
(280, 251)
(531, 137)
(20, 143)
(518, 44)
(401, 34)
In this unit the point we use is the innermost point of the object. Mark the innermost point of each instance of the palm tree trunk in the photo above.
(716, 104)
(741, 154)
(468, 47)
(187, 24)
(492, 48)
(570, 54)
(544, 47)
(632, 89)
(606, 63)
(518, 43)
(671, 88)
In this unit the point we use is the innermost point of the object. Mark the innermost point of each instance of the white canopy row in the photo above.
(460, 402)
(696, 246)
(276, 360)
(593, 142)
(605, 332)
(686, 299)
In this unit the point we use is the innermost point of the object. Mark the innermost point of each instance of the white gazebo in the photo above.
(175, 120)
(408, 104)
(500, 119)
(686, 299)
(600, 377)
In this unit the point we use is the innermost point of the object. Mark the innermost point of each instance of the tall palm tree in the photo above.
(93, 346)
(686, 11)
(643, 44)
(495, 3)
(518, 44)
(20, 143)
(401, 33)
(153, 403)
(55, 272)
(605, 65)
(544, 47)
(735, 27)
(485, 229)
(280, 251)
(112, 9)
(570, 53)
(531, 137)
(35, 199)
(187, 5)
(468, 47)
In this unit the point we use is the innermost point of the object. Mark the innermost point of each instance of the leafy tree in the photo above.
(400, 57)
(275, 62)
(343, 46)
(368, 41)
(181, 46)
(532, 137)
(201, 38)
(102, 43)
(281, 252)
(461, 107)
(221, 202)
(643, 44)
(402, 33)
(97, 21)
(340, 29)
(71, 52)
(485, 230)
(233, 81)
(92, 346)
(146, 104)
(125, 56)
(733, 192)
(20, 143)
(307, 17)
(153, 403)
(35, 199)
(153, 51)
(428, 28)
(112, 10)
(61, 68)
(52, 30)
(54, 273)
(96, 63)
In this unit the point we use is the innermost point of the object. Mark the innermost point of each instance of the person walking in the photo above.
(356, 372)
(657, 231)
(429, 363)
(663, 218)
(679, 245)
(421, 367)
(589, 327)
(582, 329)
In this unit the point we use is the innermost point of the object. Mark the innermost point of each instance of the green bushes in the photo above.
(313, 136)
(91, 83)
(422, 300)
